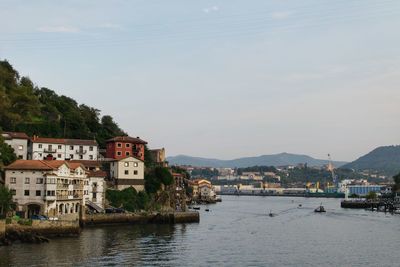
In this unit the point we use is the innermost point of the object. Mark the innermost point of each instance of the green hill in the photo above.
(385, 160)
(35, 110)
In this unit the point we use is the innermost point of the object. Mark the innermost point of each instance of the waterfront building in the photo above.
(52, 188)
(41, 148)
(179, 192)
(364, 189)
(158, 156)
(203, 190)
(18, 141)
(127, 172)
(121, 147)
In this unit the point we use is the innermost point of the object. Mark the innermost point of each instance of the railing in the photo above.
(78, 186)
(62, 186)
(49, 150)
(81, 151)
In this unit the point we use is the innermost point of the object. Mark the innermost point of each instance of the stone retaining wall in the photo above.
(114, 218)
(46, 228)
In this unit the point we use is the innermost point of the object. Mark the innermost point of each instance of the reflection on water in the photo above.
(236, 232)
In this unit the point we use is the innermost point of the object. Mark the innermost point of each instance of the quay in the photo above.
(267, 194)
(379, 205)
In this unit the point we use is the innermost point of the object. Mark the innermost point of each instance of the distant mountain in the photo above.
(384, 159)
(281, 159)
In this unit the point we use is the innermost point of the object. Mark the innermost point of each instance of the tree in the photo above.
(155, 177)
(6, 201)
(7, 155)
(371, 195)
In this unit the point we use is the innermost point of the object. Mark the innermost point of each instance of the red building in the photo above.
(125, 146)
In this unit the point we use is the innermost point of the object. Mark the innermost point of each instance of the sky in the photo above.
(221, 78)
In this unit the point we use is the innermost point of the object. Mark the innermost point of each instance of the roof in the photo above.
(15, 135)
(127, 139)
(97, 174)
(127, 158)
(29, 165)
(46, 140)
(43, 165)
(88, 163)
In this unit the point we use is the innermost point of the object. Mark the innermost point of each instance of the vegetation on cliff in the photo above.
(39, 111)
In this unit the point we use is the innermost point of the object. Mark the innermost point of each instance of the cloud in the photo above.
(211, 9)
(61, 29)
(281, 14)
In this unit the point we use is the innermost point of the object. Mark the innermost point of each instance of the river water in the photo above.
(236, 232)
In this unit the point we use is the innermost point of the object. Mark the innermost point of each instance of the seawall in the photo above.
(128, 218)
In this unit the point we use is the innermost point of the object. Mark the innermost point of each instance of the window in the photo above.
(119, 153)
(40, 146)
(20, 147)
(94, 195)
(135, 164)
(59, 146)
(71, 147)
(135, 172)
(90, 148)
(13, 192)
(13, 180)
(26, 192)
(119, 145)
(128, 145)
(39, 180)
(50, 147)
(80, 156)
(126, 164)
(27, 180)
(71, 156)
(80, 148)
(91, 157)
(59, 156)
(40, 154)
(126, 172)
(127, 153)
(38, 193)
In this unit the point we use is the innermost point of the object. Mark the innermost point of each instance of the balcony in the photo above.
(77, 186)
(81, 152)
(49, 150)
(62, 186)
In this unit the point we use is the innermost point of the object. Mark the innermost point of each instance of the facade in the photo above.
(127, 172)
(62, 149)
(51, 188)
(18, 141)
(121, 147)
(203, 190)
(179, 192)
(158, 156)
(363, 190)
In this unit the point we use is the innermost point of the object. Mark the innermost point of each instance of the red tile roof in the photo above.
(29, 165)
(79, 142)
(88, 163)
(127, 139)
(15, 135)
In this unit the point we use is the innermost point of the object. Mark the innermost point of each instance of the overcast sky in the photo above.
(221, 79)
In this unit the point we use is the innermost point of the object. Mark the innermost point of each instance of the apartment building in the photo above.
(127, 172)
(18, 141)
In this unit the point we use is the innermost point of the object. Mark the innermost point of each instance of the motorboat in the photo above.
(320, 209)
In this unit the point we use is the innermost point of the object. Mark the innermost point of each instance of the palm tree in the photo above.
(6, 201)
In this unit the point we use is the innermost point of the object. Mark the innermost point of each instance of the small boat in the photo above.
(270, 214)
(300, 205)
(196, 208)
(207, 210)
(320, 209)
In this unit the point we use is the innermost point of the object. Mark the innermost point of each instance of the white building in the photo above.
(51, 188)
(62, 149)
(127, 172)
(18, 141)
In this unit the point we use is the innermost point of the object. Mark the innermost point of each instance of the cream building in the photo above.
(127, 172)
(62, 149)
(51, 188)
(18, 141)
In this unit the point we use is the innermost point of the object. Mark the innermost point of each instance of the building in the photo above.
(121, 147)
(179, 192)
(18, 141)
(41, 148)
(51, 188)
(95, 200)
(158, 156)
(363, 190)
(203, 190)
(127, 172)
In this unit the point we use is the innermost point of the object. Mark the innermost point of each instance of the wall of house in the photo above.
(20, 147)
(40, 151)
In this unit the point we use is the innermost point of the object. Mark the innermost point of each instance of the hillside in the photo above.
(281, 159)
(35, 110)
(385, 160)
